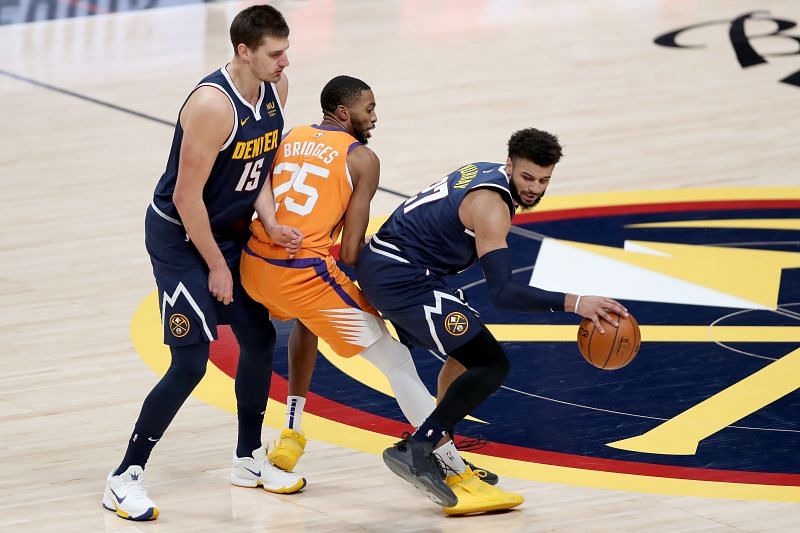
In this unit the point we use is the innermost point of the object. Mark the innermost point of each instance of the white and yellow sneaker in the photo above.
(476, 496)
(126, 495)
(257, 470)
(288, 449)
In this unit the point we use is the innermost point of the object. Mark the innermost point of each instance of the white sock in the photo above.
(394, 360)
(294, 411)
(449, 454)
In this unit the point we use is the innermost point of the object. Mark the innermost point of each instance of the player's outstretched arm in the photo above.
(486, 213)
(207, 120)
(365, 168)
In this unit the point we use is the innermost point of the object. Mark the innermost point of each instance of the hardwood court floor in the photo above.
(452, 79)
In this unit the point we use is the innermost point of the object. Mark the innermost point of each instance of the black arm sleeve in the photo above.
(510, 295)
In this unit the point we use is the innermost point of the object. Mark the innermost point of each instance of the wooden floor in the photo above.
(452, 80)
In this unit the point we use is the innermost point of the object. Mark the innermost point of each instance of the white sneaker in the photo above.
(126, 494)
(257, 470)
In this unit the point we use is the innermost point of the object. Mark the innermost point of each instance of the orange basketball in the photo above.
(615, 348)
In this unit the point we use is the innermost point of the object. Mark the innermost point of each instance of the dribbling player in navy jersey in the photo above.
(195, 228)
(457, 221)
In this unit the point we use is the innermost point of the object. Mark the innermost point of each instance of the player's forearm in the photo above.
(507, 294)
(198, 227)
(265, 206)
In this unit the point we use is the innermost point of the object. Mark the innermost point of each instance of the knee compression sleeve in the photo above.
(487, 366)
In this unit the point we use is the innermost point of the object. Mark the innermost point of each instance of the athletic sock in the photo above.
(294, 412)
(450, 456)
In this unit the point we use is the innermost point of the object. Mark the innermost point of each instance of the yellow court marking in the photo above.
(735, 223)
(713, 267)
(218, 389)
(682, 434)
(605, 199)
(559, 333)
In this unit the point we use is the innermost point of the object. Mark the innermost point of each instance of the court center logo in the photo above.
(179, 325)
(741, 39)
(456, 324)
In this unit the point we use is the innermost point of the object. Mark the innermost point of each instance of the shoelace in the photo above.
(470, 444)
(481, 473)
(137, 486)
(442, 467)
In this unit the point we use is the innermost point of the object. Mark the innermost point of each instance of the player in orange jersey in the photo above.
(323, 180)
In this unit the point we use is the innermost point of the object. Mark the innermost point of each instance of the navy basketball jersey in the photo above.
(426, 229)
(241, 167)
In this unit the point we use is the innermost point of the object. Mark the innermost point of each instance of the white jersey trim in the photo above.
(387, 254)
(163, 215)
(256, 110)
(235, 114)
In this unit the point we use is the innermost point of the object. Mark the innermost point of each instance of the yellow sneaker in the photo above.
(288, 449)
(476, 496)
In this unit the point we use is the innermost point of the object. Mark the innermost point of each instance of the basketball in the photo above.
(614, 349)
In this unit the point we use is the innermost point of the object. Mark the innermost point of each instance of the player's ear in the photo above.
(342, 113)
(509, 166)
(242, 50)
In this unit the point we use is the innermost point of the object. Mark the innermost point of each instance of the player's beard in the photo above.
(359, 132)
(523, 208)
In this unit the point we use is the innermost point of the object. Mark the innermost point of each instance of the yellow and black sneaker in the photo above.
(476, 496)
(470, 444)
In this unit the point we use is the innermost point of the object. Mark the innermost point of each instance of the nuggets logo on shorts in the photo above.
(456, 324)
(179, 325)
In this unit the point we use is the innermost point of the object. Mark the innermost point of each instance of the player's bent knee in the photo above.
(388, 354)
(483, 350)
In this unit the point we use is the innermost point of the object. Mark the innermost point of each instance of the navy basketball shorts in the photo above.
(189, 312)
(423, 308)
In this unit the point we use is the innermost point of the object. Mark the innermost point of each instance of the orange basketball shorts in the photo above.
(314, 291)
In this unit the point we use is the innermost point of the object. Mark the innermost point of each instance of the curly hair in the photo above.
(341, 90)
(251, 25)
(535, 145)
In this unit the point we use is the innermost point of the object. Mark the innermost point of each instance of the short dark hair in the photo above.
(251, 25)
(535, 145)
(341, 90)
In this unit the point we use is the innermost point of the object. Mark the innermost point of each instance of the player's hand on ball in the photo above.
(596, 307)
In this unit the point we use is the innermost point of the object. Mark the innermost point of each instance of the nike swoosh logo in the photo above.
(151, 439)
(242, 122)
(257, 474)
(119, 500)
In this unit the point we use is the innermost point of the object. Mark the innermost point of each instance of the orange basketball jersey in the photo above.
(312, 188)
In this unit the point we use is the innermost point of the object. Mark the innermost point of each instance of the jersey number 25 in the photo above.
(296, 183)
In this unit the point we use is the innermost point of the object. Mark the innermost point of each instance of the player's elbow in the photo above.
(180, 199)
(498, 295)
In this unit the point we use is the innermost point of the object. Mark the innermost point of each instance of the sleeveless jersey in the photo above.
(242, 164)
(312, 188)
(426, 230)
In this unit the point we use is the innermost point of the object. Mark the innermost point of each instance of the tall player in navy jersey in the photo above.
(461, 219)
(195, 228)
